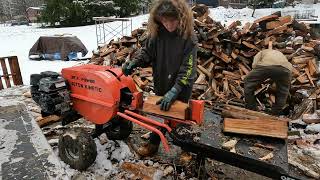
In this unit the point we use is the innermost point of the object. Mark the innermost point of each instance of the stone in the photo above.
(230, 144)
(168, 170)
(313, 128)
(103, 139)
(27, 94)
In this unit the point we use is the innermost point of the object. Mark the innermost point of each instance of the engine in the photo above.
(50, 91)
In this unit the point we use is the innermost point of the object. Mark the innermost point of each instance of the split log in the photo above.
(107, 52)
(306, 170)
(246, 28)
(295, 72)
(311, 118)
(214, 85)
(267, 157)
(234, 91)
(141, 84)
(201, 79)
(234, 24)
(285, 19)
(273, 24)
(222, 56)
(250, 45)
(301, 59)
(230, 111)
(260, 127)
(313, 68)
(207, 62)
(309, 76)
(43, 121)
(178, 109)
(141, 171)
(302, 78)
(268, 147)
(306, 106)
(266, 18)
(207, 46)
(205, 71)
(243, 68)
(226, 87)
(231, 74)
(278, 30)
(234, 55)
(210, 68)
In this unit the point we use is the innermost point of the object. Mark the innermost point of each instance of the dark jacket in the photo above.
(173, 62)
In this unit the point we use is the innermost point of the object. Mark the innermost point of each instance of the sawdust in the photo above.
(260, 152)
(191, 132)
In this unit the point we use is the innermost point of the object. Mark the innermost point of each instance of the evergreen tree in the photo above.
(1, 11)
(66, 12)
(76, 15)
(54, 11)
(96, 8)
(127, 8)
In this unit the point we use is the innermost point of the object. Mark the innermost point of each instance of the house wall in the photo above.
(233, 3)
(33, 14)
(213, 3)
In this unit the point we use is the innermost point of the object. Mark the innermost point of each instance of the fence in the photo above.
(10, 75)
(300, 14)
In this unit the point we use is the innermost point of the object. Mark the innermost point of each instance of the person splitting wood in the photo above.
(267, 64)
(171, 48)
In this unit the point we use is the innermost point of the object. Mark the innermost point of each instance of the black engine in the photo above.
(50, 91)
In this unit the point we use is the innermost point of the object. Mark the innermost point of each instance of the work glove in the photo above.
(167, 100)
(128, 67)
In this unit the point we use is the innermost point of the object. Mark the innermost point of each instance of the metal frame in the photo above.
(253, 165)
(202, 150)
(149, 124)
(206, 150)
(105, 31)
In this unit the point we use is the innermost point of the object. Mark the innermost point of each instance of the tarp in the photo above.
(58, 44)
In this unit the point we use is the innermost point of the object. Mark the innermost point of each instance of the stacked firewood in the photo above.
(226, 53)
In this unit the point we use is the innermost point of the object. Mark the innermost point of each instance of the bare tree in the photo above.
(11, 8)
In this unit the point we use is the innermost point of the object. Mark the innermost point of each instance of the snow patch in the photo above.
(227, 15)
(121, 153)
(7, 142)
(18, 40)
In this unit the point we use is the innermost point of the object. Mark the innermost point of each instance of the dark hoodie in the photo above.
(173, 62)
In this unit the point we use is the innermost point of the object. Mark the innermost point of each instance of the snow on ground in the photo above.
(228, 15)
(10, 138)
(17, 41)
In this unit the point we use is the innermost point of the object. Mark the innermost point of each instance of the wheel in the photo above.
(119, 129)
(35, 93)
(34, 79)
(77, 148)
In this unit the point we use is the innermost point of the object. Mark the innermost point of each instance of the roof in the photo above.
(35, 8)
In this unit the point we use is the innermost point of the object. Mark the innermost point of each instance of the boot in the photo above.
(147, 149)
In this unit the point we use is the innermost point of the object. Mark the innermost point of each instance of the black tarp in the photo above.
(58, 44)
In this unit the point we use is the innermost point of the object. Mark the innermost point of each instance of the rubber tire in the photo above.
(34, 79)
(35, 94)
(84, 144)
(119, 129)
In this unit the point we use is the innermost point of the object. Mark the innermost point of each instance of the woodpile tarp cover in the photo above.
(58, 44)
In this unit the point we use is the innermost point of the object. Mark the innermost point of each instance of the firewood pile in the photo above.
(226, 53)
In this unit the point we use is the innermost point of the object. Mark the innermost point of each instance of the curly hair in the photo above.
(177, 9)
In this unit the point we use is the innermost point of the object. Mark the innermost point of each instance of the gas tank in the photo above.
(95, 90)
